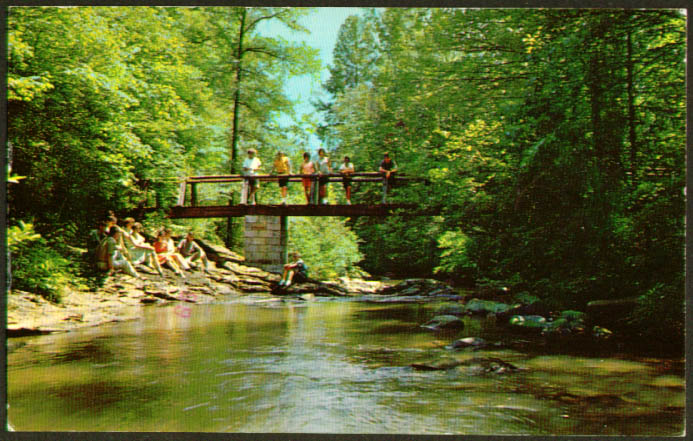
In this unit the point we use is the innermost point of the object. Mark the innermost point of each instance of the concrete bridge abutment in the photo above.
(266, 241)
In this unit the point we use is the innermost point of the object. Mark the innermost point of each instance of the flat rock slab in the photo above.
(444, 322)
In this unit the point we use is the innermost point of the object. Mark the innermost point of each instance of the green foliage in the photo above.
(107, 104)
(18, 235)
(456, 256)
(327, 245)
(554, 140)
(661, 312)
(35, 266)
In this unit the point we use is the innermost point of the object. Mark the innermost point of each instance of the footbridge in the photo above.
(188, 203)
(266, 225)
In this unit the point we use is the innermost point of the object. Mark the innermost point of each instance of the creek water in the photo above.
(327, 366)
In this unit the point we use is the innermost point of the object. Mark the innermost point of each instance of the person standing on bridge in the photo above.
(251, 165)
(347, 169)
(388, 168)
(282, 167)
(324, 168)
(307, 168)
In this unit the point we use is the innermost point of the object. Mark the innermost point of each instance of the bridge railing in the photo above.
(194, 181)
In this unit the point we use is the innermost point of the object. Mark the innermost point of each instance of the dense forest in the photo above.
(554, 140)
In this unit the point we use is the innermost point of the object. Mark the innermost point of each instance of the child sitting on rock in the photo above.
(294, 271)
(165, 254)
(192, 251)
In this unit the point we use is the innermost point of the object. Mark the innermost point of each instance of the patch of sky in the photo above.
(323, 25)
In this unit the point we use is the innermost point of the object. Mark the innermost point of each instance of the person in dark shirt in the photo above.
(388, 168)
(295, 271)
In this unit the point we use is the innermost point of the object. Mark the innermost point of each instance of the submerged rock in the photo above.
(436, 365)
(444, 322)
(414, 287)
(473, 366)
(528, 322)
(569, 322)
(601, 333)
(474, 342)
(454, 309)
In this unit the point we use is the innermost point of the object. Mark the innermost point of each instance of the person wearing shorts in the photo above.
(282, 167)
(324, 169)
(347, 169)
(296, 271)
(307, 168)
(251, 165)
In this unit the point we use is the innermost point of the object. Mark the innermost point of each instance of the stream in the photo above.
(328, 366)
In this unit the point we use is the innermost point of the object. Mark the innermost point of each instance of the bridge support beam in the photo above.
(265, 241)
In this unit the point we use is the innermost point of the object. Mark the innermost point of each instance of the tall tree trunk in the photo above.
(631, 108)
(237, 95)
(234, 128)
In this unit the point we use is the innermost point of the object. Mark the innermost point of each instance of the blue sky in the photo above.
(323, 24)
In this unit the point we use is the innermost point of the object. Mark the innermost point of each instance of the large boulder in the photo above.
(610, 310)
(535, 308)
(530, 323)
(219, 254)
(484, 307)
(359, 286)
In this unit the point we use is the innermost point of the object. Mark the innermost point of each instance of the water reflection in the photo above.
(326, 367)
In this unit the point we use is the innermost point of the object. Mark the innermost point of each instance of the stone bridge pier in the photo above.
(265, 242)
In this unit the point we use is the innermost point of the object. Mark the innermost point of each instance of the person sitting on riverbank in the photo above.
(295, 271)
(251, 165)
(191, 251)
(324, 169)
(388, 168)
(164, 255)
(140, 251)
(95, 237)
(180, 260)
(307, 168)
(109, 255)
(347, 169)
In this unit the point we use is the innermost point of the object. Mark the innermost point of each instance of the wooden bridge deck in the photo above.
(297, 210)
(187, 204)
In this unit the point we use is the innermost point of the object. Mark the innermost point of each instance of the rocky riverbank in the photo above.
(121, 297)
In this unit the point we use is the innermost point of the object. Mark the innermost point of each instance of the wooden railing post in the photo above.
(181, 193)
(193, 194)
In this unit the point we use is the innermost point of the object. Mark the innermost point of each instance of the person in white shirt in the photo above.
(324, 169)
(109, 255)
(140, 251)
(251, 165)
(347, 169)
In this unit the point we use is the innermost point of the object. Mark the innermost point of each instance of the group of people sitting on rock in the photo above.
(320, 167)
(119, 249)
